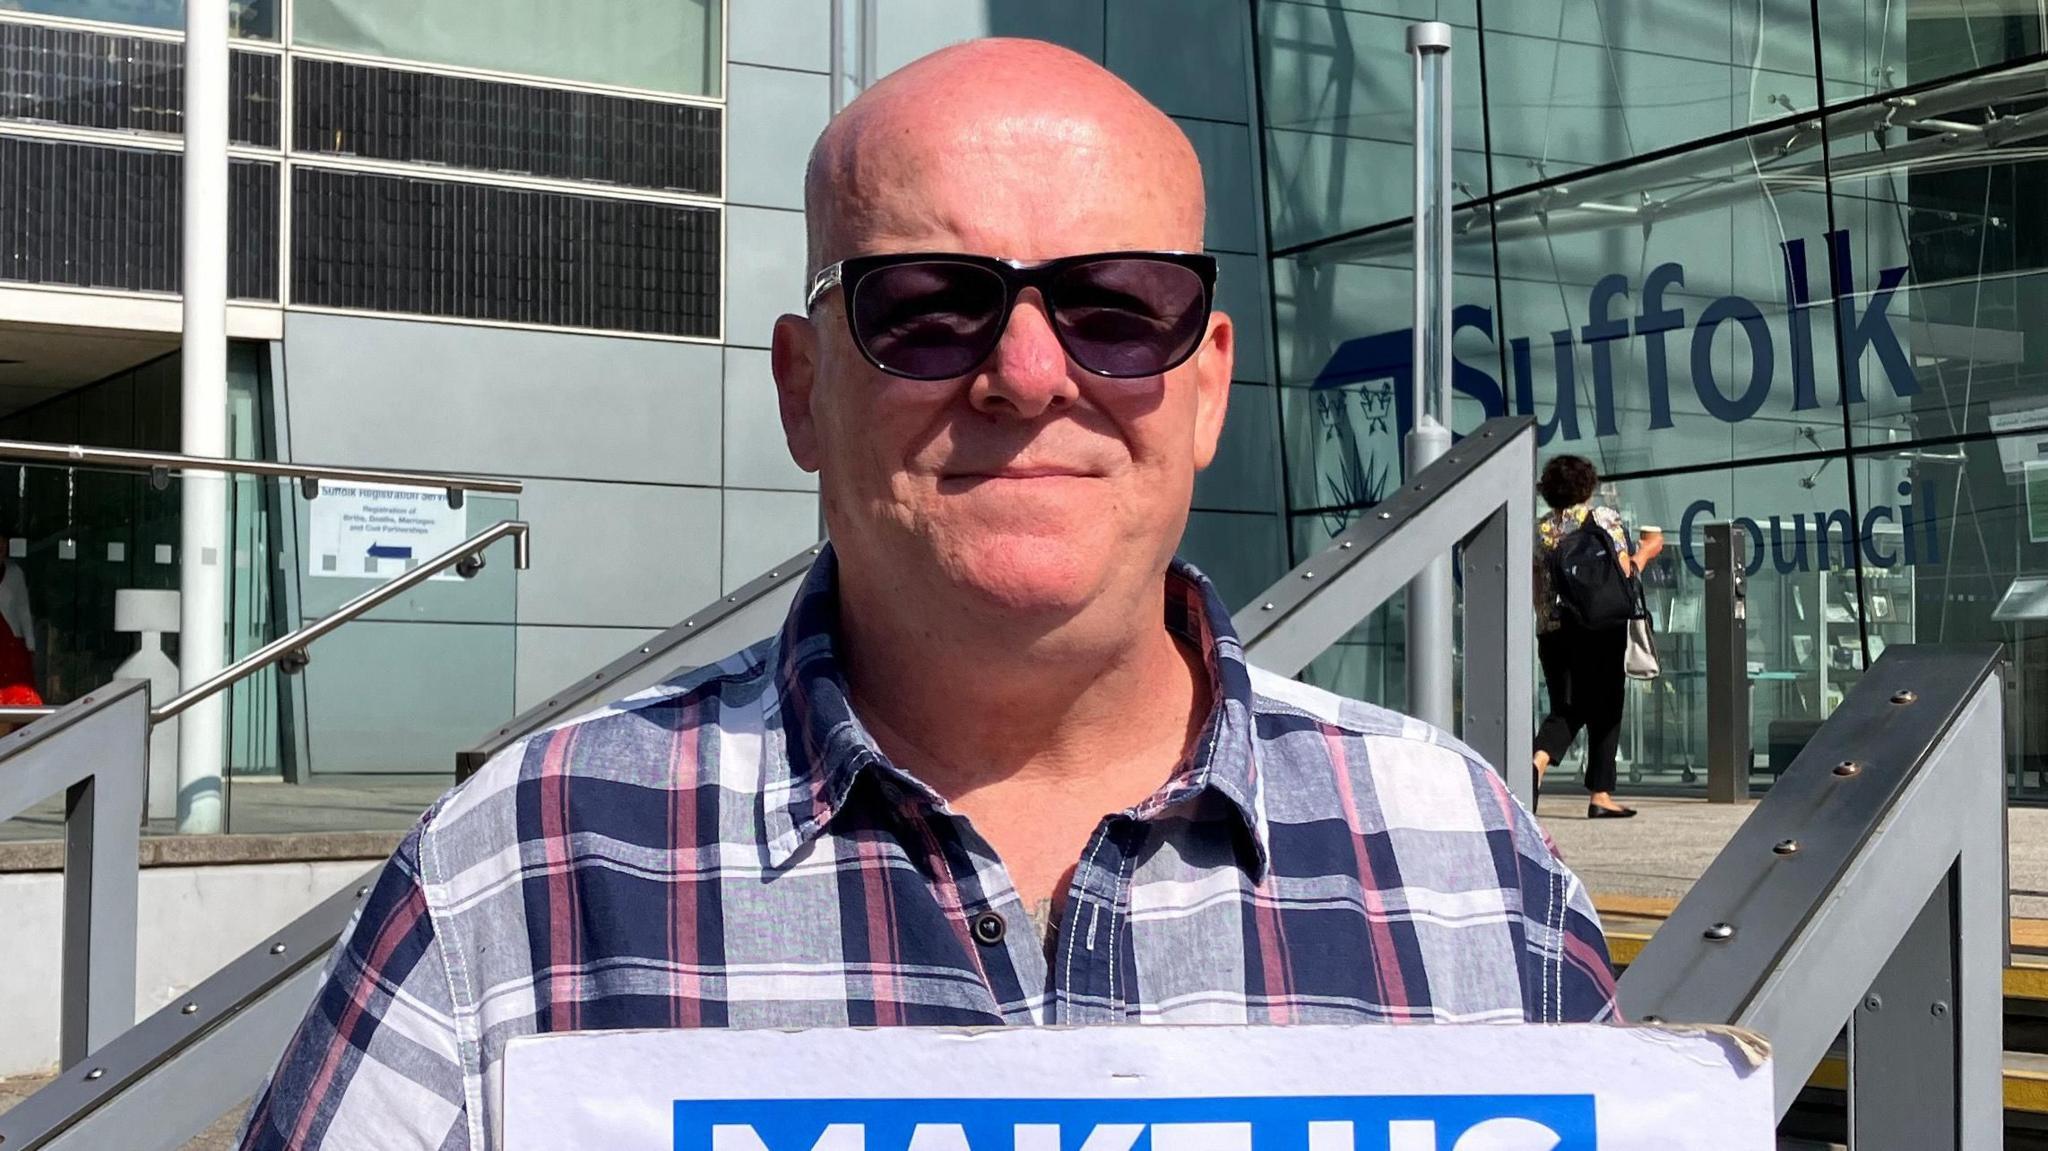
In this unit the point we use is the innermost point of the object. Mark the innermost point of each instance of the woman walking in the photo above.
(1578, 641)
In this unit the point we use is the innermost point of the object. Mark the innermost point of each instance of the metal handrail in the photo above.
(162, 463)
(1868, 887)
(466, 558)
(739, 618)
(199, 1055)
(1478, 498)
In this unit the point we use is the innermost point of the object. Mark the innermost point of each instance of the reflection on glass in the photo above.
(1345, 353)
(254, 19)
(1802, 548)
(1338, 108)
(657, 45)
(1573, 84)
(1872, 46)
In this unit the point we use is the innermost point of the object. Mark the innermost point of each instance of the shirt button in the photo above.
(989, 928)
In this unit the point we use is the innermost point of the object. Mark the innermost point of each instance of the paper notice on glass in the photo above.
(376, 531)
(1157, 1088)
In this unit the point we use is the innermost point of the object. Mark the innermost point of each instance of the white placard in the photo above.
(1160, 1088)
(2015, 452)
(376, 531)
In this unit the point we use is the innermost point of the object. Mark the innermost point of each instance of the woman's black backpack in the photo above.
(1586, 579)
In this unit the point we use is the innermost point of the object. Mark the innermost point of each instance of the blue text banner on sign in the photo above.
(1260, 1123)
(1153, 1088)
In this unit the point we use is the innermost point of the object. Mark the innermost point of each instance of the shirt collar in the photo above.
(824, 749)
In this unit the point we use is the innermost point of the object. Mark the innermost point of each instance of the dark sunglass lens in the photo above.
(928, 320)
(1130, 316)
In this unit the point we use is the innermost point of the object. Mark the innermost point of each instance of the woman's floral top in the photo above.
(1550, 531)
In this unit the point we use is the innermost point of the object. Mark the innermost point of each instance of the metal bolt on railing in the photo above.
(1308, 575)
(1874, 1003)
(1719, 933)
(189, 1009)
(1847, 768)
(1786, 847)
(1904, 696)
(1267, 606)
(277, 949)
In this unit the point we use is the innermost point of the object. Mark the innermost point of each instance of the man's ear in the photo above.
(793, 356)
(1211, 366)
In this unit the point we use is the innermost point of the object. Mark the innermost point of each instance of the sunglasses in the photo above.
(938, 315)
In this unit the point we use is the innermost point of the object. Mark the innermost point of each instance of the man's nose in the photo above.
(1028, 373)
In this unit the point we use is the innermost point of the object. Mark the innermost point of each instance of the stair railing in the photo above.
(1868, 888)
(96, 752)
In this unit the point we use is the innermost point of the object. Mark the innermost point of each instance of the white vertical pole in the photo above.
(202, 552)
(1431, 598)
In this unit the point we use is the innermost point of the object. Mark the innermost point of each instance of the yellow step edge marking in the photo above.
(2024, 1090)
(2022, 980)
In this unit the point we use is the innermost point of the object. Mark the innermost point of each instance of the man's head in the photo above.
(1027, 483)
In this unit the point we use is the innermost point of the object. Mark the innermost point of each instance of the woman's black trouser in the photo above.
(1583, 670)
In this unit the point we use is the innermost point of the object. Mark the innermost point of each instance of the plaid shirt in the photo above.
(732, 850)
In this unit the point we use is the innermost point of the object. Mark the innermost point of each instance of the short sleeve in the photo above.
(1610, 521)
(375, 1062)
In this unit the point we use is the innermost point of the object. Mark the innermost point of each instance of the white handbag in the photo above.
(1640, 660)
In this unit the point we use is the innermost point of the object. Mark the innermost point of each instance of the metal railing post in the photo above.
(1479, 497)
(95, 753)
(1500, 638)
(1727, 653)
(1868, 887)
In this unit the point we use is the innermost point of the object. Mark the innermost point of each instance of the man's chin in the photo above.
(1029, 575)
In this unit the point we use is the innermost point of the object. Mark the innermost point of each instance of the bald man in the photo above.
(1005, 763)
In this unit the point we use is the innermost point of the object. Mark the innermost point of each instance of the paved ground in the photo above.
(1663, 849)
(219, 1137)
(268, 806)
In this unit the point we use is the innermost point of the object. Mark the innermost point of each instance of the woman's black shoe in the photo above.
(1595, 811)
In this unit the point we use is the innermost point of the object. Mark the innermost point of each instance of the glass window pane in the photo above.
(1804, 647)
(1871, 46)
(1368, 662)
(1578, 83)
(1950, 262)
(1339, 115)
(658, 45)
(1345, 354)
(256, 19)
(1675, 312)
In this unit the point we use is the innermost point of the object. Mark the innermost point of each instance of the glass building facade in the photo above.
(1778, 263)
